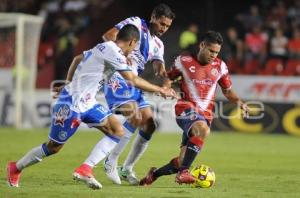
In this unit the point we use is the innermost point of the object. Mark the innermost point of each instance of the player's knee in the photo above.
(200, 129)
(149, 125)
(118, 131)
(53, 147)
(135, 121)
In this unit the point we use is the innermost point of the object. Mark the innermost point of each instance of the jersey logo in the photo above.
(114, 84)
(62, 114)
(214, 72)
(186, 59)
(192, 69)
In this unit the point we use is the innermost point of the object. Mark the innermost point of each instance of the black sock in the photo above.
(193, 147)
(168, 169)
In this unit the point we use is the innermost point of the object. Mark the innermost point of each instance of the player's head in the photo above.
(161, 19)
(129, 35)
(210, 47)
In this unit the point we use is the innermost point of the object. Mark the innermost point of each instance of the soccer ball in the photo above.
(205, 176)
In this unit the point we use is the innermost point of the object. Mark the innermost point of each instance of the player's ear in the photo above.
(202, 45)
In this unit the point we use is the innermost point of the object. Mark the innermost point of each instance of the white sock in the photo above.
(139, 146)
(34, 156)
(100, 151)
(119, 148)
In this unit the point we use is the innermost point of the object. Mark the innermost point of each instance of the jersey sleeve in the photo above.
(225, 80)
(131, 20)
(175, 70)
(159, 53)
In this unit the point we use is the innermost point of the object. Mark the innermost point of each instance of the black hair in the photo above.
(128, 32)
(212, 37)
(163, 10)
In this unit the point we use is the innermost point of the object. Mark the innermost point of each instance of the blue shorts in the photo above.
(186, 121)
(64, 121)
(118, 92)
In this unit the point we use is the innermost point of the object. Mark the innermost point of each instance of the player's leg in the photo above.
(131, 112)
(63, 125)
(199, 130)
(170, 168)
(104, 120)
(139, 145)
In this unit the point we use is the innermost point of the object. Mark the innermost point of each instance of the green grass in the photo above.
(245, 166)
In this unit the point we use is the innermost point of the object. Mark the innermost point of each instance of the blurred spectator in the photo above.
(189, 37)
(65, 48)
(251, 19)
(256, 44)
(278, 45)
(294, 12)
(277, 17)
(294, 44)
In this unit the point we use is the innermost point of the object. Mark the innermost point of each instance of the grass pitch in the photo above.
(246, 165)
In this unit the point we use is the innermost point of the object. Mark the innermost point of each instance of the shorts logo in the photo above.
(62, 135)
(62, 114)
(114, 84)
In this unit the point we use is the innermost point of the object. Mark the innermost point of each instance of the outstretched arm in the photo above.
(147, 86)
(71, 71)
(232, 97)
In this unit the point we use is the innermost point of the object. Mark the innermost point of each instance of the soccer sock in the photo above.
(119, 148)
(194, 145)
(101, 150)
(168, 169)
(139, 146)
(34, 156)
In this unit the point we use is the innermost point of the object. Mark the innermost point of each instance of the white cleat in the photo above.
(112, 172)
(91, 182)
(128, 176)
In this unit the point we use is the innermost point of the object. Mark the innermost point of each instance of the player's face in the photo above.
(160, 25)
(208, 52)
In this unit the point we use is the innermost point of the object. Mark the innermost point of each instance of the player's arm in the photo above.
(110, 35)
(159, 68)
(76, 60)
(146, 86)
(232, 97)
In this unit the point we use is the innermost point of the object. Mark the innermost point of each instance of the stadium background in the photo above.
(255, 61)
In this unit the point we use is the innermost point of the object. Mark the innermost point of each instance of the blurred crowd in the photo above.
(264, 39)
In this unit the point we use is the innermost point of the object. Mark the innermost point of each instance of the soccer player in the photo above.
(131, 101)
(77, 102)
(199, 76)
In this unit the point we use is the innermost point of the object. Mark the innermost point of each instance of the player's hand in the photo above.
(245, 109)
(168, 92)
(161, 72)
(56, 91)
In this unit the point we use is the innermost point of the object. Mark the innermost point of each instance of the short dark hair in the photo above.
(212, 37)
(163, 10)
(128, 32)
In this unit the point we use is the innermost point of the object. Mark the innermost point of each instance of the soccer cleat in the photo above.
(149, 179)
(84, 173)
(13, 174)
(184, 177)
(111, 172)
(128, 176)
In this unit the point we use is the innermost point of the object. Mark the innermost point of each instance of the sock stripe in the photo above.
(129, 127)
(197, 141)
(146, 136)
(45, 149)
(113, 138)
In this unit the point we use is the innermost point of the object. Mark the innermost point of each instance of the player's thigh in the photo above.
(131, 111)
(64, 122)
